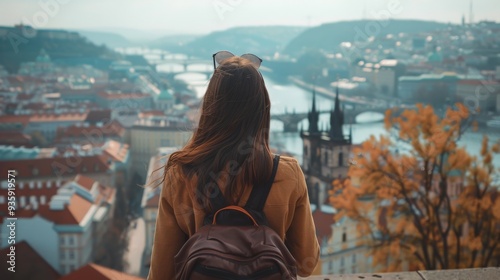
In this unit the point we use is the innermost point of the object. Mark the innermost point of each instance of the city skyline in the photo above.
(157, 18)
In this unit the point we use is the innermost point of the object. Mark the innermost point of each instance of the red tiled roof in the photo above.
(22, 119)
(111, 129)
(323, 222)
(84, 181)
(106, 95)
(145, 114)
(74, 210)
(95, 116)
(59, 117)
(116, 150)
(36, 106)
(96, 272)
(29, 264)
(15, 138)
(24, 96)
(55, 167)
(72, 214)
(18, 79)
(38, 190)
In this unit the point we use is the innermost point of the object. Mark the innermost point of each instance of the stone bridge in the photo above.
(291, 120)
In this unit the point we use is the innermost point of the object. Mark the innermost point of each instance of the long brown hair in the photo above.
(230, 146)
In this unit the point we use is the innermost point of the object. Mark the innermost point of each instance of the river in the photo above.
(289, 97)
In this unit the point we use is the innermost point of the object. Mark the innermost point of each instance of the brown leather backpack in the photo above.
(236, 243)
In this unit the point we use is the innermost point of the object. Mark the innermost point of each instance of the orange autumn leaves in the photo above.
(420, 200)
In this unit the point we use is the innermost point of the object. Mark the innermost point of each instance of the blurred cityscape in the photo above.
(86, 117)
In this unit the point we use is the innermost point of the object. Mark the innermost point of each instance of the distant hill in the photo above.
(64, 47)
(111, 40)
(261, 40)
(329, 36)
(173, 43)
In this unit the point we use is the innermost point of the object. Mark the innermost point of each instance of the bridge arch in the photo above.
(291, 120)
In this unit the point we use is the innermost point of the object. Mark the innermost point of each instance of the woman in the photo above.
(230, 148)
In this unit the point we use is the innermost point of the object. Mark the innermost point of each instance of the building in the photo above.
(151, 196)
(45, 125)
(325, 158)
(343, 253)
(151, 132)
(90, 134)
(165, 100)
(123, 101)
(479, 94)
(35, 167)
(98, 272)
(69, 221)
(41, 65)
(429, 88)
(383, 75)
(30, 265)
(326, 152)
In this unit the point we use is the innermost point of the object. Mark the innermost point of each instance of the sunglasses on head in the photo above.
(219, 57)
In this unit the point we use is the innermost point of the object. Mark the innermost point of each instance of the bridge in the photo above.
(291, 120)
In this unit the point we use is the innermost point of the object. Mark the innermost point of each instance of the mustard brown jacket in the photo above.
(287, 209)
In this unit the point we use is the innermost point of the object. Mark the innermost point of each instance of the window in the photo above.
(61, 240)
(34, 171)
(32, 185)
(62, 255)
(21, 185)
(39, 184)
(22, 201)
(341, 159)
(71, 255)
(353, 269)
(42, 199)
(96, 167)
(344, 237)
(354, 258)
(49, 184)
(341, 261)
(71, 240)
(330, 265)
(2, 199)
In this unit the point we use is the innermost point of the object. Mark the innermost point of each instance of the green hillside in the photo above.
(329, 36)
(260, 40)
(62, 46)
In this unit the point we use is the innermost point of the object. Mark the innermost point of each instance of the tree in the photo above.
(429, 205)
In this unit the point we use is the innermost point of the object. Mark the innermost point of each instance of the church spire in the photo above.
(337, 118)
(313, 116)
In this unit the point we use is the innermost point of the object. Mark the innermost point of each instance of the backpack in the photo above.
(236, 243)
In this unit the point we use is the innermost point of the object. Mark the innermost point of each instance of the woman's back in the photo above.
(230, 150)
(287, 211)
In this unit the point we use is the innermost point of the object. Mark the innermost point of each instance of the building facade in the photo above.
(325, 152)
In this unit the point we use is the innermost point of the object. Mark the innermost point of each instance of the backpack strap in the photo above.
(255, 203)
(259, 194)
(218, 201)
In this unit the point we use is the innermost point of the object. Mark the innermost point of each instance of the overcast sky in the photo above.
(203, 16)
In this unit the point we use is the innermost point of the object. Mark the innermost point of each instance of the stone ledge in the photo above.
(488, 273)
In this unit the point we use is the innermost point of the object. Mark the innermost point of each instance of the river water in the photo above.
(289, 97)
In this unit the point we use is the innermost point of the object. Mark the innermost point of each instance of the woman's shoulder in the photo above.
(288, 164)
(288, 170)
